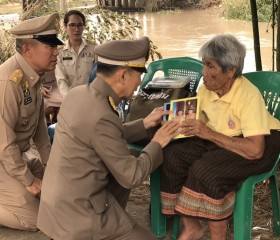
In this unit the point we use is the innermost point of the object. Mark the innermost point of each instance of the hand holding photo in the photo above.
(166, 107)
(185, 108)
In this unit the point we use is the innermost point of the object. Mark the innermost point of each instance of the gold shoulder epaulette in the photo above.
(16, 76)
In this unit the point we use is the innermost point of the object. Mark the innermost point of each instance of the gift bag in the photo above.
(157, 92)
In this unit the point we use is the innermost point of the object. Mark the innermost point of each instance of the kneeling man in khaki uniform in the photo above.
(22, 119)
(90, 170)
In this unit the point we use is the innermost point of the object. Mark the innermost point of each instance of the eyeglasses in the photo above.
(73, 26)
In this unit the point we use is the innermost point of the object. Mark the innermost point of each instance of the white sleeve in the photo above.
(61, 77)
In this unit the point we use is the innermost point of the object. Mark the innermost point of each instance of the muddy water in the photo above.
(182, 33)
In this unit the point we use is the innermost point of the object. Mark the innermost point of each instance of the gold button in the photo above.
(32, 78)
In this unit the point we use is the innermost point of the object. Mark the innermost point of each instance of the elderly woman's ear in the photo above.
(231, 72)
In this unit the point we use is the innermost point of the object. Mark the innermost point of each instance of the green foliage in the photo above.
(104, 25)
(240, 9)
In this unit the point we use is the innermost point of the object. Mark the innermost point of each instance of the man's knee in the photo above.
(18, 219)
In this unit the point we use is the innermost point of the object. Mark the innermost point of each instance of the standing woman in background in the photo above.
(76, 58)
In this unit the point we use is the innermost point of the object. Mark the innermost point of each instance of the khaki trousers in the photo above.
(18, 208)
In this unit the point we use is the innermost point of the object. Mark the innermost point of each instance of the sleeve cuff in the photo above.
(27, 179)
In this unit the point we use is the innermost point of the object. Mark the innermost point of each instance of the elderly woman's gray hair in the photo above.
(227, 51)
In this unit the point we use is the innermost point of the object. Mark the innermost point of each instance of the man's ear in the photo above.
(26, 48)
(121, 75)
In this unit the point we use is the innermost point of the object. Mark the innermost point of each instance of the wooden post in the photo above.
(118, 3)
(278, 39)
(124, 3)
(131, 3)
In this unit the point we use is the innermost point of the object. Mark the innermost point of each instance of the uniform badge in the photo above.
(27, 100)
(26, 93)
(24, 123)
(231, 124)
(16, 76)
(67, 58)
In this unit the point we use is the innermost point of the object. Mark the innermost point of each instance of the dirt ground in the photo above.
(138, 207)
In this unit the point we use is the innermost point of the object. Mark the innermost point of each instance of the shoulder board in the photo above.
(16, 76)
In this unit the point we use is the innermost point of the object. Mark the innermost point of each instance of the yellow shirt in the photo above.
(241, 111)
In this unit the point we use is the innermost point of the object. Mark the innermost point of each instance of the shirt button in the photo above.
(32, 78)
(106, 204)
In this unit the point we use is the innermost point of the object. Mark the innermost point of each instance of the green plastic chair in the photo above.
(269, 85)
(171, 67)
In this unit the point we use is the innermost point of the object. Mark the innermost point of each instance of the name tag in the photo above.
(67, 58)
(27, 100)
(86, 55)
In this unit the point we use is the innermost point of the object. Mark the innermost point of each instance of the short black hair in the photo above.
(107, 69)
(74, 12)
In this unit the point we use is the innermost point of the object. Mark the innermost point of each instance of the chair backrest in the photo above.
(175, 67)
(268, 82)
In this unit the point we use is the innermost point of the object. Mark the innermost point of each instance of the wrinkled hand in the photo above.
(155, 117)
(168, 131)
(35, 187)
(194, 127)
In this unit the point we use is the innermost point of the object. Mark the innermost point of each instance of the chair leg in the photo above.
(158, 220)
(175, 229)
(242, 219)
(275, 204)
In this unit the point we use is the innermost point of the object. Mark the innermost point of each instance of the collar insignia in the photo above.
(112, 104)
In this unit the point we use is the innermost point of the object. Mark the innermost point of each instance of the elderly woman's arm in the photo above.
(250, 147)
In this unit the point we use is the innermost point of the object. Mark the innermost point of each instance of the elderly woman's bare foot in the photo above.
(192, 229)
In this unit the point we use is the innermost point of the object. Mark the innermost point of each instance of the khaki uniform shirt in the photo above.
(73, 69)
(54, 98)
(89, 148)
(21, 117)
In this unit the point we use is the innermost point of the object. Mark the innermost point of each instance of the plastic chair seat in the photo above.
(243, 209)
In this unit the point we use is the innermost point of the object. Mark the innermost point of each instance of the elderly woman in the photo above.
(235, 137)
